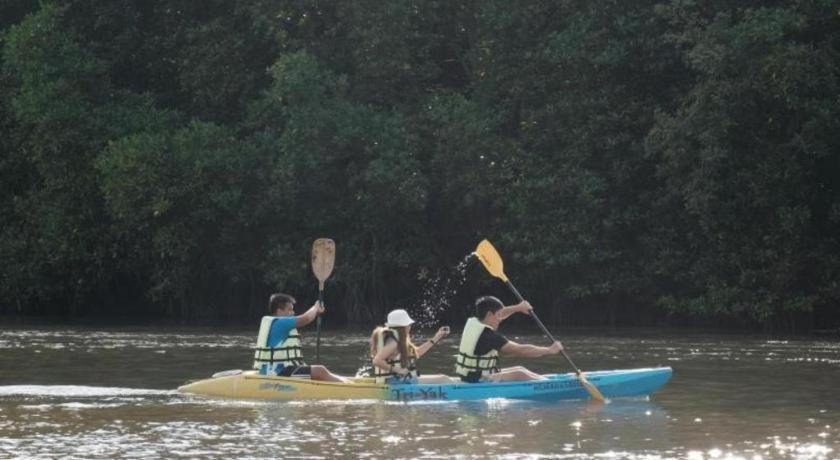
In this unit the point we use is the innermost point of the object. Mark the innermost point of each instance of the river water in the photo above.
(73, 392)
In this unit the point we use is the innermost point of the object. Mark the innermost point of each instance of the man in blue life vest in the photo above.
(480, 345)
(278, 350)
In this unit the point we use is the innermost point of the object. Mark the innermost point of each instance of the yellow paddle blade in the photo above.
(323, 259)
(490, 258)
(593, 391)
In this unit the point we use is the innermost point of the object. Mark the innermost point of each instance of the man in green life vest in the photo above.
(278, 350)
(480, 345)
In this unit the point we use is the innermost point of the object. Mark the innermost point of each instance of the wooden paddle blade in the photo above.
(490, 258)
(591, 389)
(323, 258)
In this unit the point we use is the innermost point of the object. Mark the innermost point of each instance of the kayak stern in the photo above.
(251, 385)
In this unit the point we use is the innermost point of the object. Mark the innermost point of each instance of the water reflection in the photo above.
(460, 428)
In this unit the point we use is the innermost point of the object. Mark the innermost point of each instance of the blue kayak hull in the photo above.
(612, 384)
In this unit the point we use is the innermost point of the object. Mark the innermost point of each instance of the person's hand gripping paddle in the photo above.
(323, 261)
(492, 261)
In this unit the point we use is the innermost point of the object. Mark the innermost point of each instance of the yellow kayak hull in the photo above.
(251, 385)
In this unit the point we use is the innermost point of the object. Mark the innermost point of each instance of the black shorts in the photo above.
(472, 377)
(476, 377)
(295, 371)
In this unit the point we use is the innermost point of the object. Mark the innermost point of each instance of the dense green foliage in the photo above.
(633, 160)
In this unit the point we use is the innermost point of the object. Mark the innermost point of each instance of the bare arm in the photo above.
(439, 335)
(521, 307)
(422, 349)
(309, 316)
(381, 358)
(530, 351)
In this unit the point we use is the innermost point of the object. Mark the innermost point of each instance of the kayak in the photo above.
(251, 385)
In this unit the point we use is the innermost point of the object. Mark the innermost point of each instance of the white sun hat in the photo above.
(399, 318)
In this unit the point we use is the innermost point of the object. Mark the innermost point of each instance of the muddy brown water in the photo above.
(76, 392)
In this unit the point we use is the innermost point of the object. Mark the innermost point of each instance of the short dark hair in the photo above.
(279, 300)
(487, 304)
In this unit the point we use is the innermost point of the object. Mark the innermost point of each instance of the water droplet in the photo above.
(439, 288)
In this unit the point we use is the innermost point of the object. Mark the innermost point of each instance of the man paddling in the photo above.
(480, 345)
(278, 342)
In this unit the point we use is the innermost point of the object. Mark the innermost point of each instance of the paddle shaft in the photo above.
(540, 324)
(318, 324)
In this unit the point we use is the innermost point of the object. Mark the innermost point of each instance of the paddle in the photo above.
(492, 261)
(323, 261)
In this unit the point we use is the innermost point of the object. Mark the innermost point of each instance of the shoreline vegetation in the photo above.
(643, 163)
(362, 330)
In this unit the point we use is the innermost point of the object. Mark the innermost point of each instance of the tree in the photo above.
(748, 158)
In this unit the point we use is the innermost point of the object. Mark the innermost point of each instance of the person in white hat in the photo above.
(394, 355)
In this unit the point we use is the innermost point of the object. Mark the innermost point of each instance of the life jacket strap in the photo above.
(293, 355)
(412, 367)
(490, 362)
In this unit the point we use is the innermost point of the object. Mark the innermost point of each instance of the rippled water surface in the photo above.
(85, 393)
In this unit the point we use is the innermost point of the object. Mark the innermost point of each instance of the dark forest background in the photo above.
(636, 162)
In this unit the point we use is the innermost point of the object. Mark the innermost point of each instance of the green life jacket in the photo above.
(467, 361)
(379, 374)
(287, 353)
